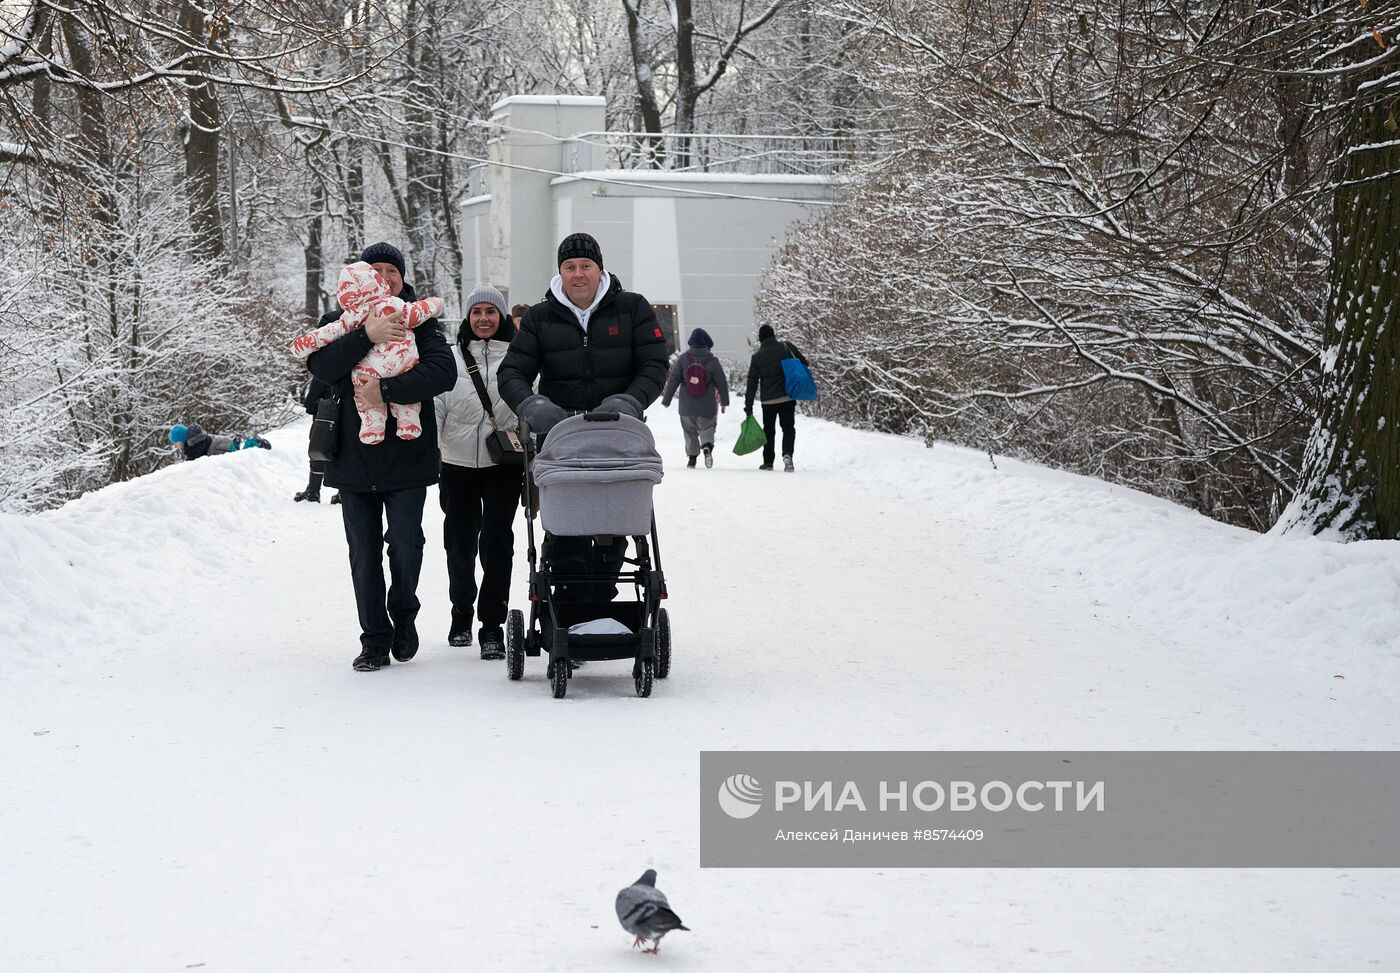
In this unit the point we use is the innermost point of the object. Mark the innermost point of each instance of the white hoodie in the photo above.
(556, 287)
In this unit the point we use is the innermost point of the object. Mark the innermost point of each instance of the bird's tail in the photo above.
(665, 917)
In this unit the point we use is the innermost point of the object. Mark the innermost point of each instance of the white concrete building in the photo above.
(693, 240)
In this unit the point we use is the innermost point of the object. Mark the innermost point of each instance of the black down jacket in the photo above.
(624, 351)
(394, 464)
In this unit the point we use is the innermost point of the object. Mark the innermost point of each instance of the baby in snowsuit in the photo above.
(361, 291)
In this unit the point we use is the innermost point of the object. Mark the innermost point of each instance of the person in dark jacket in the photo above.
(315, 392)
(388, 480)
(479, 497)
(593, 346)
(767, 381)
(704, 394)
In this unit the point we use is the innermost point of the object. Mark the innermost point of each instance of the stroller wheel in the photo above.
(663, 644)
(515, 644)
(559, 679)
(642, 677)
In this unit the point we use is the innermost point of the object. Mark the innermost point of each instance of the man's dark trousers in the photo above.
(785, 413)
(581, 555)
(364, 515)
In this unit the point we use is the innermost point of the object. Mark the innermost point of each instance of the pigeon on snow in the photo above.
(645, 913)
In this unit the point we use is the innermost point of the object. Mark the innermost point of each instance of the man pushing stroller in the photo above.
(593, 346)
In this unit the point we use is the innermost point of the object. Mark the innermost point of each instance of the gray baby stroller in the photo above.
(594, 476)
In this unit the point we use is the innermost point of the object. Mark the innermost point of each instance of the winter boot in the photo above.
(336, 498)
(371, 659)
(312, 493)
(690, 463)
(493, 642)
(709, 449)
(460, 634)
(761, 466)
(405, 645)
(787, 464)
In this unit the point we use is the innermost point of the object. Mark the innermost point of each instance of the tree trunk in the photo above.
(421, 189)
(687, 94)
(49, 208)
(315, 258)
(646, 89)
(447, 209)
(92, 134)
(1351, 473)
(355, 197)
(201, 144)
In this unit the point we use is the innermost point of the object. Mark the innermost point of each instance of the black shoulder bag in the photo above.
(504, 447)
(325, 430)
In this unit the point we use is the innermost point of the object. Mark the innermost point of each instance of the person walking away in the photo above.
(768, 381)
(705, 393)
(479, 496)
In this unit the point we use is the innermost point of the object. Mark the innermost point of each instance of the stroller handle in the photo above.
(589, 416)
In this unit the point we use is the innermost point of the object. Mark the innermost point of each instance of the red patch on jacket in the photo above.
(658, 333)
(613, 330)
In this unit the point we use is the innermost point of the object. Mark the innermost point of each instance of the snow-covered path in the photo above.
(193, 774)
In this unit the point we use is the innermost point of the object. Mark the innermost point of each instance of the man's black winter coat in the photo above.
(766, 377)
(624, 351)
(394, 464)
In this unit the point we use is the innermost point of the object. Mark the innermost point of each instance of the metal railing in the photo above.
(815, 155)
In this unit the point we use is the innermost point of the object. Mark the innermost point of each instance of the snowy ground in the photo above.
(194, 777)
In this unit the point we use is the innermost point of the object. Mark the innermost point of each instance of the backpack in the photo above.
(697, 378)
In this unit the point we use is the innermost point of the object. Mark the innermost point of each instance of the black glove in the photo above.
(622, 404)
(540, 413)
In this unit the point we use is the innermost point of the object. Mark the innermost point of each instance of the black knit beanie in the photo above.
(765, 332)
(383, 253)
(580, 246)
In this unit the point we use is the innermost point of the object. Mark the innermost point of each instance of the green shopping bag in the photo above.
(751, 437)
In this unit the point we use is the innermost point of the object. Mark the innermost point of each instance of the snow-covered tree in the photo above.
(1105, 246)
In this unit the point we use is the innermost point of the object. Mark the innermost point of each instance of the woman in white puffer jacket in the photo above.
(479, 497)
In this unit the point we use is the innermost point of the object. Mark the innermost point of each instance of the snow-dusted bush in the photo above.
(1099, 250)
(112, 333)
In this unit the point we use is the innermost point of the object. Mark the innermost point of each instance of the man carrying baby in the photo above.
(386, 480)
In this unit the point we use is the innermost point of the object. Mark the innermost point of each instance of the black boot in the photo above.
(460, 632)
(312, 493)
(690, 463)
(405, 644)
(371, 659)
(493, 642)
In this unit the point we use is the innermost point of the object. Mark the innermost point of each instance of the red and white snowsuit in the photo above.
(361, 291)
